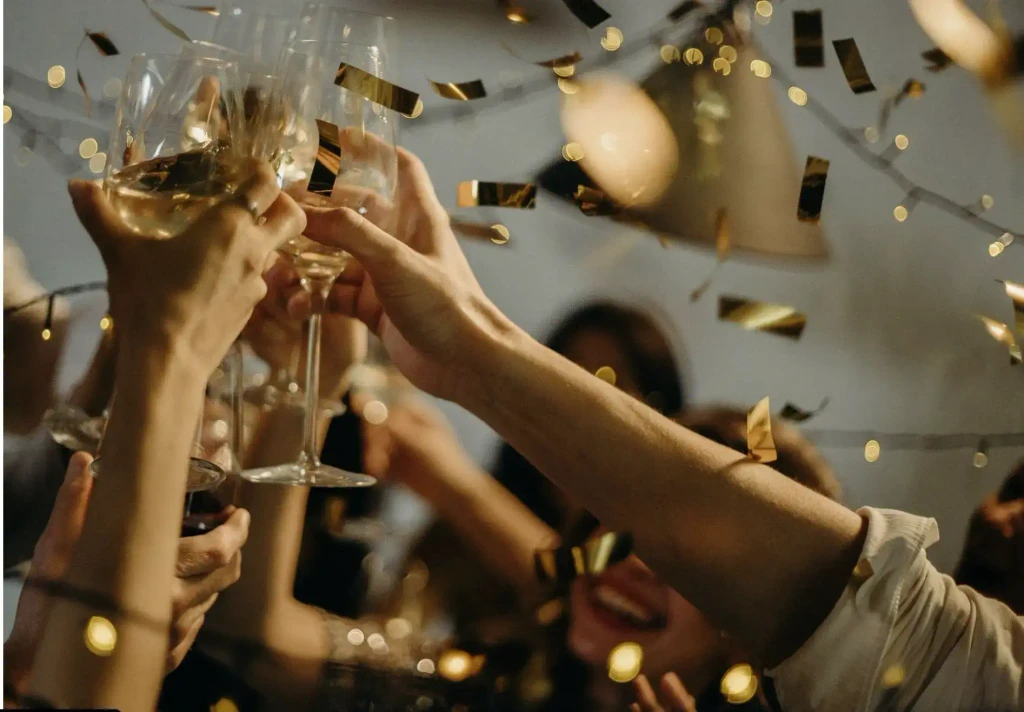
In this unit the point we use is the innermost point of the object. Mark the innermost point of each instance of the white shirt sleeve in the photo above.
(905, 637)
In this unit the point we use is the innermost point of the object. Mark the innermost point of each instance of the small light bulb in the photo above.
(764, 8)
(55, 76)
(900, 213)
(47, 334)
(88, 147)
(798, 96)
(872, 450)
(901, 142)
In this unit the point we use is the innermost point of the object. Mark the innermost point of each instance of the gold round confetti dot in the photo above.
(624, 662)
(501, 234)
(88, 147)
(722, 66)
(728, 53)
(375, 412)
(872, 450)
(55, 76)
(568, 86)
(47, 334)
(606, 374)
(224, 705)
(612, 39)
(714, 35)
(761, 68)
(100, 636)
(98, 162)
(566, 71)
(996, 249)
(979, 460)
(454, 665)
(871, 134)
(739, 684)
(900, 212)
(572, 151)
(670, 54)
(105, 323)
(112, 88)
(763, 8)
(693, 56)
(425, 666)
(356, 636)
(797, 95)
(893, 676)
(416, 111)
(987, 201)
(901, 142)
(7, 113)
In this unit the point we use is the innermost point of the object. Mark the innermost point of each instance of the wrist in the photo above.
(489, 347)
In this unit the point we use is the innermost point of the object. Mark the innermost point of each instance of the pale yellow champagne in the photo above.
(313, 260)
(161, 197)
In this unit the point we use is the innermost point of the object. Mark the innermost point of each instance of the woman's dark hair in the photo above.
(654, 369)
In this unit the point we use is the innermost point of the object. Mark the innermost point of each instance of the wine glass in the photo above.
(337, 148)
(257, 33)
(180, 145)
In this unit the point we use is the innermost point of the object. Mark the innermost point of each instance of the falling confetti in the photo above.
(796, 414)
(587, 11)
(753, 315)
(376, 89)
(760, 444)
(808, 47)
(459, 91)
(475, 193)
(853, 66)
(328, 159)
(812, 189)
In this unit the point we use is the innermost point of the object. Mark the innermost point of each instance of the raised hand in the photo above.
(674, 696)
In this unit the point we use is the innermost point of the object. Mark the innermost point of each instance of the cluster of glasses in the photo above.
(265, 86)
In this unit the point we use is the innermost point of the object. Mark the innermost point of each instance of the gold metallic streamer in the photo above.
(853, 66)
(328, 159)
(476, 193)
(587, 11)
(1016, 294)
(912, 88)
(376, 89)
(167, 24)
(566, 60)
(594, 556)
(210, 10)
(1004, 335)
(496, 233)
(103, 43)
(812, 190)
(722, 250)
(459, 91)
(592, 201)
(760, 444)
(937, 59)
(796, 414)
(753, 315)
(106, 47)
(808, 47)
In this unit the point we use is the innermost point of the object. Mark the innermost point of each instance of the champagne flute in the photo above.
(337, 149)
(179, 146)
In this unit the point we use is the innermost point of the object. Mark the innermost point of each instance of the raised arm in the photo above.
(763, 557)
(123, 564)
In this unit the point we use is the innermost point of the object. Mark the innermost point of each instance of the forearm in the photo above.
(92, 392)
(501, 530)
(762, 556)
(128, 545)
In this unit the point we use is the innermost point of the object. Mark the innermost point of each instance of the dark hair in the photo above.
(652, 364)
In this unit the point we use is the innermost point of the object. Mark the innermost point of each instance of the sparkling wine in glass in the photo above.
(337, 148)
(180, 145)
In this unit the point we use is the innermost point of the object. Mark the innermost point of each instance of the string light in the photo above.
(624, 662)
(55, 76)
(48, 323)
(739, 684)
(900, 212)
(722, 66)
(224, 705)
(355, 636)
(901, 142)
(425, 666)
(606, 374)
(572, 151)
(693, 56)
(997, 247)
(398, 628)
(100, 636)
(763, 8)
(88, 147)
(612, 39)
(501, 234)
(797, 95)
(893, 676)
(517, 16)
(761, 68)
(566, 71)
(7, 113)
(454, 665)
(872, 450)
(728, 53)
(568, 86)
(871, 134)
(714, 35)
(98, 162)
(670, 54)
(106, 322)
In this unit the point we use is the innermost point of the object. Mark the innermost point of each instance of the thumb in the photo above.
(96, 213)
(347, 229)
(65, 524)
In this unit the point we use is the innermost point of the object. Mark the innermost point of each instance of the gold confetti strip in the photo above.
(739, 684)
(682, 10)
(760, 444)
(937, 59)
(496, 233)
(560, 566)
(1004, 335)
(587, 11)
(376, 89)
(812, 190)
(210, 10)
(328, 159)
(912, 88)
(103, 43)
(808, 46)
(722, 241)
(760, 316)
(1016, 294)
(853, 66)
(165, 23)
(459, 91)
(592, 201)
(567, 60)
(796, 414)
(476, 193)
(624, 662)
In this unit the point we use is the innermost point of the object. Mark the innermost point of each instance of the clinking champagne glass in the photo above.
(179, 146)
(337, 149)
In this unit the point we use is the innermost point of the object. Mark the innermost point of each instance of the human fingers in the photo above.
(184, 622)
(190, 592)
(347, 229)
(209, 552)
(178, 652)
(646, 700)
(257, 194)
(284, 219)
(53, 550)
(97, 215)
(676, 695)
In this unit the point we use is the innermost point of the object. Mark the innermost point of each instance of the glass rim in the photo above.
(342, 10)
(230, 7)
(179, 57)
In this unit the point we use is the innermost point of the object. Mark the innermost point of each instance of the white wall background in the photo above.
(891, 336)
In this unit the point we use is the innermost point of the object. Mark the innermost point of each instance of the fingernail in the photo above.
(78, 189)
